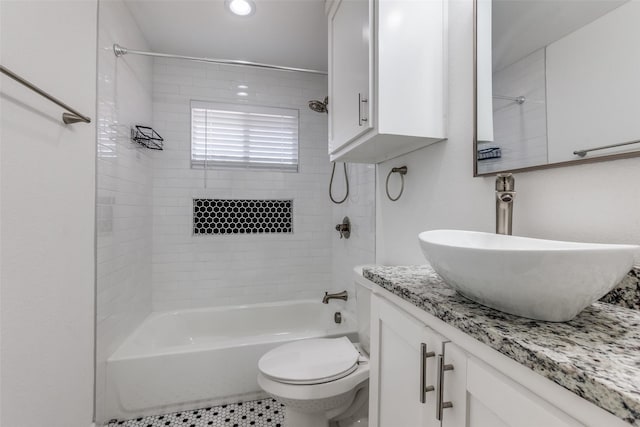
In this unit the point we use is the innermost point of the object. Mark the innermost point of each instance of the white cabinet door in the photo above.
(349, 61)
(403, 369)
(497, 401)
(452, 374)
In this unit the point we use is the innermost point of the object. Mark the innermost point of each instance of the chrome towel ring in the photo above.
(402, 171)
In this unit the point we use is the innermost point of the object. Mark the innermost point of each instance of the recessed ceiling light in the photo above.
(242, 94)
(241, 7)
(243, 87)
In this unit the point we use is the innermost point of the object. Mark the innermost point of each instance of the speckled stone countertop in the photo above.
(596, 355)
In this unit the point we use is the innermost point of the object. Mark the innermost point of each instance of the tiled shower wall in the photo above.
(213, 270)
(124, 180)
(359, 249)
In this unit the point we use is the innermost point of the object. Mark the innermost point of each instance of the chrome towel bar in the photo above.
(584, 152)
(72, 116)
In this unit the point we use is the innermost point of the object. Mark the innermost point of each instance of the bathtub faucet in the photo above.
(340, 295)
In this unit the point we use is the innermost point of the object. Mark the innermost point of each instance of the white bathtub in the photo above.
(190, 359)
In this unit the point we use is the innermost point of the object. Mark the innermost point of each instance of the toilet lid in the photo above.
(310, 361)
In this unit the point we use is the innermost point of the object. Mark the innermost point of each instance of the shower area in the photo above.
(207, 259)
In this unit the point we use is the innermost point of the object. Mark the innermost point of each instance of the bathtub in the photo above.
(190, 359)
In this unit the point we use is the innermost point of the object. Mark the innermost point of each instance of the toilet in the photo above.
(323, 382)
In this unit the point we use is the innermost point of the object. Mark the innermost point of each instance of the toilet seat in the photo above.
(312, 361)
(325, 390)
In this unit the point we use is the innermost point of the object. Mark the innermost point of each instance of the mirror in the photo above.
(557, 83)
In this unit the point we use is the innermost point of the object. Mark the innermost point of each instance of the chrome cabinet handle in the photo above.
(424, 388)
(361, 101)
(440, 404)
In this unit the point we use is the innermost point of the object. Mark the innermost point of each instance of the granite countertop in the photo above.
(596, 355)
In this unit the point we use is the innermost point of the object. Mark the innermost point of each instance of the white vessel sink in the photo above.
(539, 279)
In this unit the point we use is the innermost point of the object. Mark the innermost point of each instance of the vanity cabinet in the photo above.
(419, 378)
(402, 368)
(412, 369)
(387, 77)
(496, 401)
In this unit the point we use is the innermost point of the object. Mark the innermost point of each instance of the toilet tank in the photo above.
(363, 308)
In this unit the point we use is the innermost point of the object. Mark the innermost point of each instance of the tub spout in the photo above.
(340, 295)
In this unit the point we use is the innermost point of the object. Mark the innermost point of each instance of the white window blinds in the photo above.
(243, 136)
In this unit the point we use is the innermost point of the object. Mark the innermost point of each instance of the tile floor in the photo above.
(258, 413)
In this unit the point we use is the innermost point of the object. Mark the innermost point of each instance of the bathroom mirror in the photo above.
(557, 83)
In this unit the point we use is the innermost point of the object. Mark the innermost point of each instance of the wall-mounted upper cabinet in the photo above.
(387, 77)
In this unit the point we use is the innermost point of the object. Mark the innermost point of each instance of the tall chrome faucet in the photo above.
(340, 295)
(505, 193)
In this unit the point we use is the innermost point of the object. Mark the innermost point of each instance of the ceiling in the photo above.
(520, 27)
(289, 33)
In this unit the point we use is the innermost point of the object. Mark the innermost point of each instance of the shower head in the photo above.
(319, 106)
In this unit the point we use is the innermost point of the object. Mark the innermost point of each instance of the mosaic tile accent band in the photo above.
(237, 216)
(256, 413)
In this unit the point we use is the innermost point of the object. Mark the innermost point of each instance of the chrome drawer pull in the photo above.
(361, 100)
(440, 405)
(424, 388)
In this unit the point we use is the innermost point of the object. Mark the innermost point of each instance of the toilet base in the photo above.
(297, 419)
(346, 410)
(357, 415)
(293, 418)
(342, 402)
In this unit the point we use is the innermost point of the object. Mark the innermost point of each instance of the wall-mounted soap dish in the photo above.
(147, 137)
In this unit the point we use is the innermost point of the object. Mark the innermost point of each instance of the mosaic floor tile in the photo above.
(256, 413)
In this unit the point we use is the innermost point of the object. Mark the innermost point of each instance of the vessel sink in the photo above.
(539, 279)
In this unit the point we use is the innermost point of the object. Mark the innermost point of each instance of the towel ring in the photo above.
(402, 171)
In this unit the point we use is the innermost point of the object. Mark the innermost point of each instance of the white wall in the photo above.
(592, 85)
(47, 201)
(597, 202)
(213, 270)
(124, 190)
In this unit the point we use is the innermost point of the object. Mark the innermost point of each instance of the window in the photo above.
(243, 136)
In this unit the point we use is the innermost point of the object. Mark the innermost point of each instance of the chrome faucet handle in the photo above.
(505, 182)
(344, 228)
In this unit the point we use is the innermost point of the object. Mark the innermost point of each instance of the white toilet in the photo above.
(325, 381)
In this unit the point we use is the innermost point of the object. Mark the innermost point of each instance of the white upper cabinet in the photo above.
(387, 77)
(350, 46)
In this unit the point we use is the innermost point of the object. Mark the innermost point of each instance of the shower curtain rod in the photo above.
(518, 99)
(121, 51)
